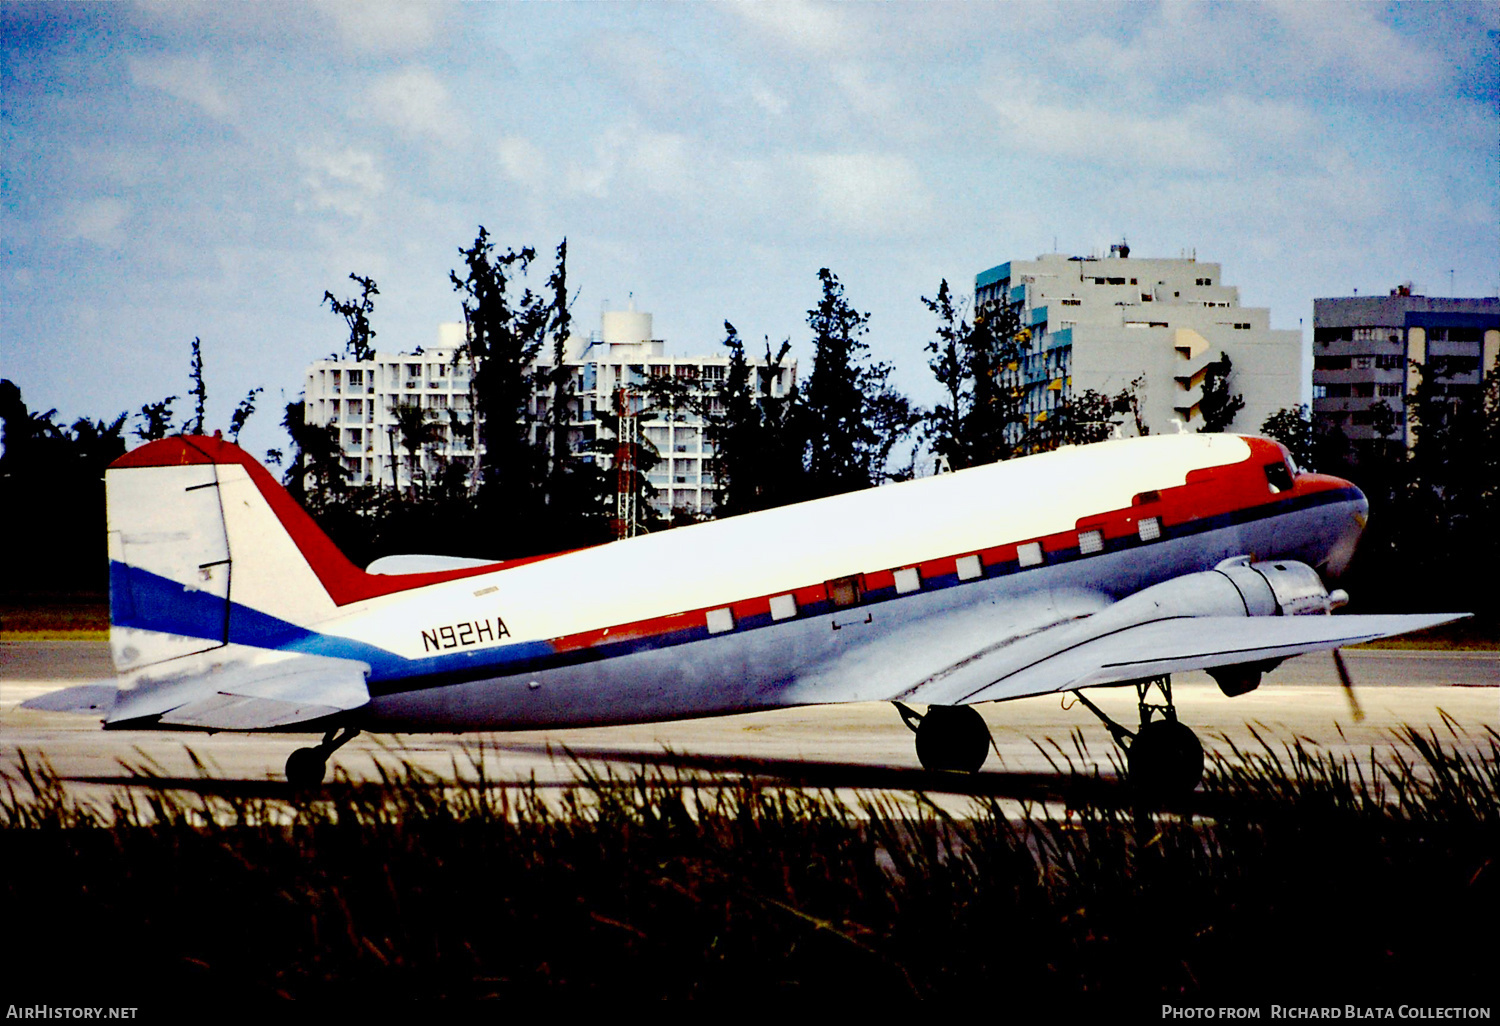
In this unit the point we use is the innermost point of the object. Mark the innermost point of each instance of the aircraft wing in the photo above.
(1164, 646)
(246, 696)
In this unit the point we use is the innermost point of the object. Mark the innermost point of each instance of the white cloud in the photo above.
(188, 79)
(870, 194)
(98, 221)
(416, 102)
(806, 25)
(521, 160)
(384, 26)
(1351, 40)
(346, 182)
(1225, 134)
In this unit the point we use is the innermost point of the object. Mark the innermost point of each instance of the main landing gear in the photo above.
(949, 737)
(306, 767)
(1164, 756)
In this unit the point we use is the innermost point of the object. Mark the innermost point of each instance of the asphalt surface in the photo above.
(852, 749)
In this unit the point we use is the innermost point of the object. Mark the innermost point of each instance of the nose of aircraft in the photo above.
(1355, 514)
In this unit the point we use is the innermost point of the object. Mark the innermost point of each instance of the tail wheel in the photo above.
(953, 737)
(1166, 759)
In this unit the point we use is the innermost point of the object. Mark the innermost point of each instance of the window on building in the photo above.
(1389, 389)
(1330, 363)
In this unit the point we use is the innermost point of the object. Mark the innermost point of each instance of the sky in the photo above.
(174, 170)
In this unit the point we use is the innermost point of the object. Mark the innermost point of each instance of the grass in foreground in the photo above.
(1304, 875)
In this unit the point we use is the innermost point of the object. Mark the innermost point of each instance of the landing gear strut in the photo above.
(1164, 756)
(306, 767)
(949, 737)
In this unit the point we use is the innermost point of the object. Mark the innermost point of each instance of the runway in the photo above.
(853, 749)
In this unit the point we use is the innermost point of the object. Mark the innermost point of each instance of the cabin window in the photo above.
(1090, 542)
(1149, 528)
(1278, 477)
(1029, 554)
(844, 592)
(908, 580)
(783, 607)
(720, 620)
(968, 568)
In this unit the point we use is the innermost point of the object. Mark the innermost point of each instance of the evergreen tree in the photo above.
(982, 417)
(1218, 405)
(356, 313)
(757, 449)
(503, 335)
(852, 415)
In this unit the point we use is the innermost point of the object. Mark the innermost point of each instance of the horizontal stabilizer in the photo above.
(84, 698)
(1192, 643)
(258, 696)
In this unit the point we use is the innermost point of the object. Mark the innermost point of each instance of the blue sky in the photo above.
(173, 170)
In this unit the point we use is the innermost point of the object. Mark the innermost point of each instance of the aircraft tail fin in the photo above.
(207, 549)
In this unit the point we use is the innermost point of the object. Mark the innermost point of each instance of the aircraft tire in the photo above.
(1166, 760)
(305, 768)
(953, 737)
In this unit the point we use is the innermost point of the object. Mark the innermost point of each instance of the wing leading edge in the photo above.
(1157, 647)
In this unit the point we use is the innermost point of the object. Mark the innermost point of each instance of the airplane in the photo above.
(1117, 563)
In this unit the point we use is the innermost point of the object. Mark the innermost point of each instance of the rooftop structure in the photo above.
(1364, 348)
(363, 401)
(1103, 323)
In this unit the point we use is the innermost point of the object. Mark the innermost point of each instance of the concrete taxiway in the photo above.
(849, 748)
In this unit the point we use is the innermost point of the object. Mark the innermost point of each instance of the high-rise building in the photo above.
(1364, 348)
(1104, 323)
(364, 401)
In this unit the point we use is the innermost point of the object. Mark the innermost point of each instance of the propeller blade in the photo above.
(1354, 709)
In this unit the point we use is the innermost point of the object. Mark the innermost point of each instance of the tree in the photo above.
(317, 456)
(852, 415)
(757, 448)
(560, 378)
(1088, 418)
(242, 413)
(200, 390)
(417, 431)
(982, 417)
(156, 420)
(356, 313)
(1293, 428)
(1218, 405)
(503, 335)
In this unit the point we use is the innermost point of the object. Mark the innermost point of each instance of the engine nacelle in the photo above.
(1236, 587)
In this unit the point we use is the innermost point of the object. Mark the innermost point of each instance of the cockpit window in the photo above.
(1279, 477)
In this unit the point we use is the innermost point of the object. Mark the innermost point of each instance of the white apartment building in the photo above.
(1100, 323)
(361, 400)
